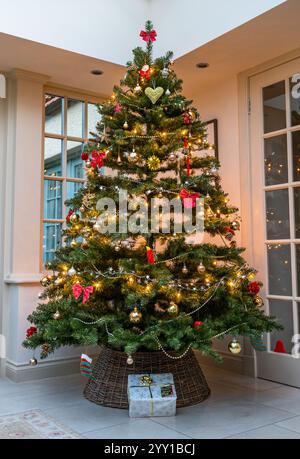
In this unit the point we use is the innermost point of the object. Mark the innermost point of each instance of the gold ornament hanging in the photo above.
(173, 309)
(135, 316)
(153, 163)
(184, 269)
(73, 243)
(125, 125)
(44, 281)
(74, 218)
(234, 347)
(258, 301)
(201, 268)
(154, 94)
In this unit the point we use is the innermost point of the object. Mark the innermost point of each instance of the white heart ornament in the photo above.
(154, 94)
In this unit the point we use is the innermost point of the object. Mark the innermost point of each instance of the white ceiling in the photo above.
(108, 29)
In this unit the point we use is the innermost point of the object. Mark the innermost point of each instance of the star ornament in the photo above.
(118, 108)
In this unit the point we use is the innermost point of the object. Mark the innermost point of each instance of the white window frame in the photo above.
(86, 98)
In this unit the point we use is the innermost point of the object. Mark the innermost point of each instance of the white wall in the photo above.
(107, 29)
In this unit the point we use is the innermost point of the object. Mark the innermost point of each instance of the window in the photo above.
(69, 123)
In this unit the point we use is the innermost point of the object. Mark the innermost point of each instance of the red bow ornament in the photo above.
(145, 72)
(30, 331)
(78, 290)
(189, 199)
(148, 36)
(97, 158)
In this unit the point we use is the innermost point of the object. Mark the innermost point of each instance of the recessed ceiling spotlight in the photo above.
(96, 72)
(202, 65)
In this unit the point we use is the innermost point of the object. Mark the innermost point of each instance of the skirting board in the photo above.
(22, 373)
(243, 365)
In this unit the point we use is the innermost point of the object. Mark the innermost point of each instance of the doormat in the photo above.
(33, 424)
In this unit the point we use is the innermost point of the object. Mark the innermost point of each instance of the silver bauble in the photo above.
(33, 362)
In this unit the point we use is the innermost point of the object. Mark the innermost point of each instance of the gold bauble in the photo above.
(56, 315)
(86, 231)
(132, 156)
(137, 89)
(82, 209)
(44, 281)
(73, 243)
(173, 309)
(258, 301)
(170, 264)
(153, 163)
(184, 269)
(201, 268)
(172, 157)
(74, 218)
(234, 347)
(125, 125)
(135, 316)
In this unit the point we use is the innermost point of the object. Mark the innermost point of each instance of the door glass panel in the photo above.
(74, 161)
(51, 240)
(52, 199)
(72, 188)
(93, 119)
(298, 268)
(296, 155)
(54, 114)
(295, 99)
(75, 118)
(276, 166)
(283, 311)
(277, 209)
(53, 157)
(274, 107)
(279, 267)
(297, 212)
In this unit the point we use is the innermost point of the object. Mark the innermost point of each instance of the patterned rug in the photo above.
(33, 425)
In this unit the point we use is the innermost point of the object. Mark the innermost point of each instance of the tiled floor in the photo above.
(239, 407)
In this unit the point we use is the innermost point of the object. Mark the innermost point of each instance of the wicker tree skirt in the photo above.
(108, 384)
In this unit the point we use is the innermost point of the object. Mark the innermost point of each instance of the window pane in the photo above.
(296, 155)
(93, 118)
(75, 118)
(283, 310)
(297, 212)
(278, 220)
(74, 161)
(279, 264)
(298, 268)
(51, 240)
(276, 168)
(295, 99)
(274, 107)
(72, 188)
(54, 114)
(52, 199)
(53, 157)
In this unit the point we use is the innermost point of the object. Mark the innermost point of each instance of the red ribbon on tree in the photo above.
(30, 331)
(188, 165)
(150, 255)
(185, 142)
(78, 289)
(189, 199)
(71, 211)
(97, 158)
(148, 36)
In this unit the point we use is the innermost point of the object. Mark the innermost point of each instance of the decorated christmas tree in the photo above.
(147, 285)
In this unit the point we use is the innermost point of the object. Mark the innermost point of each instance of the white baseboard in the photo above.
(238, 364)
(44, 369)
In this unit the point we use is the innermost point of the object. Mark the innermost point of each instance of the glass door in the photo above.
(275, 168)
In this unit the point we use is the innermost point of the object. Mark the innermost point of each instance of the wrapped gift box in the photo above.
(151, 395)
